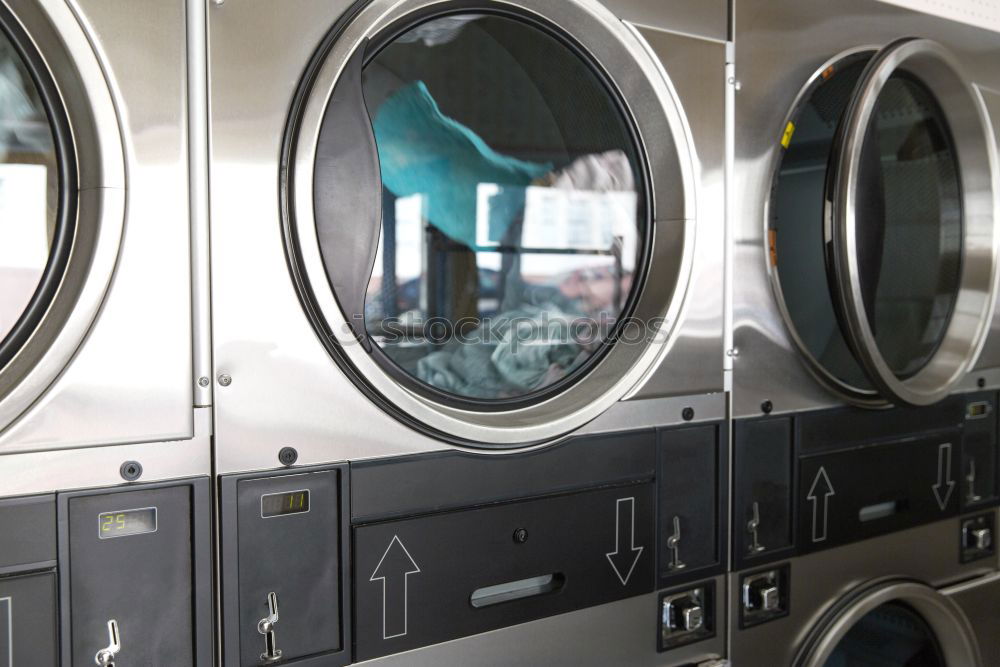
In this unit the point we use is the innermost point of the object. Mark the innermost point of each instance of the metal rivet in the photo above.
(225, 380)
(687, 414)
(766, 407)
(203, 381)
(520, 536)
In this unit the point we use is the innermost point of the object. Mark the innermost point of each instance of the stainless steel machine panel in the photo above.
(111, 360)
(828, 591)
(282, 388)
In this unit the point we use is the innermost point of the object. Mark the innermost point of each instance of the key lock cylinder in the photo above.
(106, 656)
(265, 626)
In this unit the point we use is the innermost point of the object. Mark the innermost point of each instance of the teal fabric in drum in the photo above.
(422, 151)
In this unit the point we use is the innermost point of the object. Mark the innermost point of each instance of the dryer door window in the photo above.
(512, 216)
(34, 236)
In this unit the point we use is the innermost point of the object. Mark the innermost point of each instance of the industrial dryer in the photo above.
(104, 457)
(468, 314)
(865, 340)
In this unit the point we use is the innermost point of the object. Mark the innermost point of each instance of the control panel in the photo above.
(135, 575)
(284, 555)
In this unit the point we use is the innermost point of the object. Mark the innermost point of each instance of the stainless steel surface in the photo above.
(198, 191)
(927, 554)
(286, 390)
(119, 369)
(779, 45)
(965, 334)
(60, 470)
(701, 18)
(620, 633)
(979, 600)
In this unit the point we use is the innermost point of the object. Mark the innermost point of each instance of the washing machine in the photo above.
(105, 454)
(468, 310)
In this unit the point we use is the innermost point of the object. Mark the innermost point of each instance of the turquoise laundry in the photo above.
(422, 151)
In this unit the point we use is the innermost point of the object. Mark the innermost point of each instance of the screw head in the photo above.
(225, 380)
(687, 414)
(130, 471)
(520, 536)
(288, 456)
(766, 407)
(203, 381)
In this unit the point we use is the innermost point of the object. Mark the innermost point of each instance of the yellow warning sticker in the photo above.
(786, 138)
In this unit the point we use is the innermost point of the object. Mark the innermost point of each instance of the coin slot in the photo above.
(517, 590)
(878, 511)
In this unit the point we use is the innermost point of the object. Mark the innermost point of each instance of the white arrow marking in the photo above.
(825, 488)
(402, 564)
(624, 532)
(944, 476)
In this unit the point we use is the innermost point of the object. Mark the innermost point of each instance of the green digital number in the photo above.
(106, 523)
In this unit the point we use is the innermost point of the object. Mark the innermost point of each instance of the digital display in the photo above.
(280, 504)
(122, 523)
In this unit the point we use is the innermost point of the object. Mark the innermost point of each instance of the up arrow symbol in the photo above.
(821, 488)
(945, 483)
(394, 572)
(625, 556)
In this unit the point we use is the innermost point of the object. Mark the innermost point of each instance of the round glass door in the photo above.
(34, 236)
(471, 219)
(880, 238)
(513, 216)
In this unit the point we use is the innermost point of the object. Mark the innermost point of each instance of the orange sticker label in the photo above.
(772, 245)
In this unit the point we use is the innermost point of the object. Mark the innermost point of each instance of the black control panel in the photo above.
(285, 563)
(817, 480)
(135, 574)
(28, 584)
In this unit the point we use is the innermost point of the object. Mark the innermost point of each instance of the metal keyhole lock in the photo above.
(106, 656)
(674, 544)
(753, 525)
(265, 626)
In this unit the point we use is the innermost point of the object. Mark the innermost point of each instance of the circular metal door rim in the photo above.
(952, 629)
(56, 33)
(672, 247)
(963, 339)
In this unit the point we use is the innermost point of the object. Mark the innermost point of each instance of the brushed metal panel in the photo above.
(704, 18)
(620, 633)
(131, 380)
(697, 69)
(285, 389)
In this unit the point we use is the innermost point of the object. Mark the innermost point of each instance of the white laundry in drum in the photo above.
(981, 13)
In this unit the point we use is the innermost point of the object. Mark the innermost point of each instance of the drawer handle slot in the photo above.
(517, 590)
